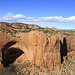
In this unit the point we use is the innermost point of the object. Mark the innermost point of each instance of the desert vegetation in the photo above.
(14, 28)
(67, 68)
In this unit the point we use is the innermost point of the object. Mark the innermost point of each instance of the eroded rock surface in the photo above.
(38, 47)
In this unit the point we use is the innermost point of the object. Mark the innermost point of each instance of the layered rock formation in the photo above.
(36, 46)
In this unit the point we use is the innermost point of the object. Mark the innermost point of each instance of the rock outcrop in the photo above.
(37, 47)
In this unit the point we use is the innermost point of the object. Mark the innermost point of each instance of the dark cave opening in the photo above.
(4, 49)
(63, 49)
(9, 55)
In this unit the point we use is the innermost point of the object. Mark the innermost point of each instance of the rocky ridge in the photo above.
(41, 46)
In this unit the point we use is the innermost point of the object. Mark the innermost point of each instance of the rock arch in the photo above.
(10, 54)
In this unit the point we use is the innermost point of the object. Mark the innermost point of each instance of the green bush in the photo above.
(67, 34)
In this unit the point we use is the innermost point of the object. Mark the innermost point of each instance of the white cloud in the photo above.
(71, 19)
(51, 19)
(8, 17)
(58, 19)
(16, 18)
(21, 18)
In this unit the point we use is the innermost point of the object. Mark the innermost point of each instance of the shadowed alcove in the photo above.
(9, 55)
(63, 49)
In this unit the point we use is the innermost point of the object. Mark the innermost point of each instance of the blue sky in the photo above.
(51, 13)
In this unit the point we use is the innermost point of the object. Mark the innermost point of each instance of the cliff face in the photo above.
(46, 51)
(37, 47)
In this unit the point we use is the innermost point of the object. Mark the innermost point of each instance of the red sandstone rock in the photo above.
(39, 48)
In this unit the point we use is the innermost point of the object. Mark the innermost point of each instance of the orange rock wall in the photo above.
(38, 47)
